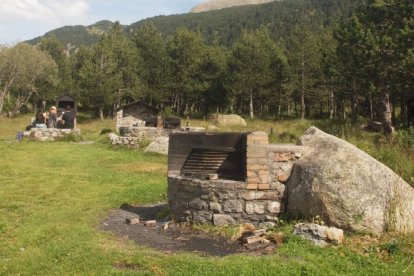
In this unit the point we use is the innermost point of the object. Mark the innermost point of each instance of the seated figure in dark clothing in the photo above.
(40, 121)
(68, 118)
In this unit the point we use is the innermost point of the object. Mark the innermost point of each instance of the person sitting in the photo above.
(68, 119)
(52, 121)
(40, 120)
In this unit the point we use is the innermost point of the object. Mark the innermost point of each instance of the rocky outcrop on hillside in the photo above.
(221, 4)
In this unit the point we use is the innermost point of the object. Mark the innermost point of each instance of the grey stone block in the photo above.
(233, 206)
(220, 220)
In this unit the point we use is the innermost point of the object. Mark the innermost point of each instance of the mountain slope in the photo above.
(221, 4)
(76, 36)
(223, 26)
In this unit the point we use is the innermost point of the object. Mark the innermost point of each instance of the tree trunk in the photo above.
(354, 107)
(1, 103)
(331, 105)
(386, 113)
(279, 108)
(174, 101)
(296, 109)
(101, 113)
(343, 110)
(261, 106)
(403, 110)
(251, 105)
(302, 93)
(371, 107)
(177, 109)
(354, 103)
(393, 115)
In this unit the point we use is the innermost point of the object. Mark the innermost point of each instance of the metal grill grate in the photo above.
(204, 161)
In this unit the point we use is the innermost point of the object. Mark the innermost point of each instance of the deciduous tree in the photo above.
(23, 69)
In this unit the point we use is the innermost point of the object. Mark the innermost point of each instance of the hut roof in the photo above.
(137, 103)
(66, 97)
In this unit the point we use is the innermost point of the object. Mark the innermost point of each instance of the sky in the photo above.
(26, 19)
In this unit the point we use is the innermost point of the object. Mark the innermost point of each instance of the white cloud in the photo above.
(43, 10)
(27, 17)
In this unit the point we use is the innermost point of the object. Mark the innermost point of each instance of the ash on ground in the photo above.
(143, 225)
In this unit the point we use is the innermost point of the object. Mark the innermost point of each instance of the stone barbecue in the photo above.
(227, 178)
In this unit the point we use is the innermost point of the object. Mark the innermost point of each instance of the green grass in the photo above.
(53, 197)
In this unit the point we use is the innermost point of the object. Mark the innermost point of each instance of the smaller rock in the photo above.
(261, 244)
(252, 239)
(132, 221)
(150, 223)
(259, 233)
(335, 235)
(319, 235)
(160, 146)
(165, 225)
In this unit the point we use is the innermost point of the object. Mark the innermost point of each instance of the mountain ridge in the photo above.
(222, 4)
(221, 27)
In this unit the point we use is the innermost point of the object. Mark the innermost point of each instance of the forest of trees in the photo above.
(360, 65)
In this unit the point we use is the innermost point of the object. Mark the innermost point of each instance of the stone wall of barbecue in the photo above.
(221, 202)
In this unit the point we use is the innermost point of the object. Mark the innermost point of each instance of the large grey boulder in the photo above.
(348, 188)
(228, 120)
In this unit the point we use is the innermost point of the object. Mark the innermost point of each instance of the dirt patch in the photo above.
(172, 239)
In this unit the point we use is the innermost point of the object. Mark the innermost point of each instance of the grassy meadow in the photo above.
(53, 197)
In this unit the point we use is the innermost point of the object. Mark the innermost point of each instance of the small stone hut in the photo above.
(66, 100)
(133, 114)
